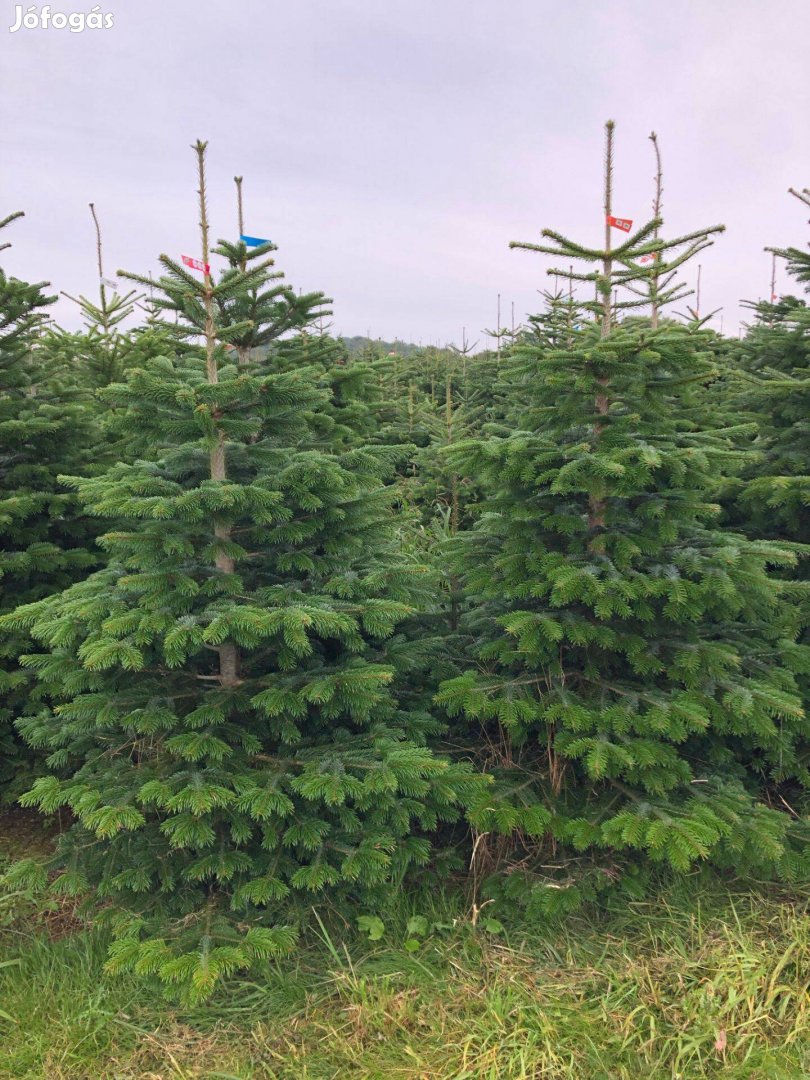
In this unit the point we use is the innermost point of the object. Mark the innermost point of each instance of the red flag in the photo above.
(625, 224)
(649, 258)
(196, 264)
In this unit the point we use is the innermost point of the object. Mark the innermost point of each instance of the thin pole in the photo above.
(498, 332)
(773, 288)
(597, 504)
(454, 499)
(773, 278)
(656, 214)
(607, 265)
(570, 316)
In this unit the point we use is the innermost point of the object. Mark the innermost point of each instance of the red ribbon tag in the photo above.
(196, 264)
(625, 224)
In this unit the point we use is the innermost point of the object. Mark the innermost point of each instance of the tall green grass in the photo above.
(702, 982)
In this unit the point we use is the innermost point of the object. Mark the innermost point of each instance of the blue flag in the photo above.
(253, 241)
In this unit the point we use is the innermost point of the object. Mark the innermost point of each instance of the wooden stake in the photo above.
(569, 321)
(772, 295)
(607, 265)
(659, 188)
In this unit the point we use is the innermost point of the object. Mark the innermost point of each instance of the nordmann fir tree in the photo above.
(630, 679)
(44, 544)
(773, 385)
(552, 327)
(769, 380)
(104, 351)
(221, 721)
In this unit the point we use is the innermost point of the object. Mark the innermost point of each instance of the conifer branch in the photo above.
(7, 221)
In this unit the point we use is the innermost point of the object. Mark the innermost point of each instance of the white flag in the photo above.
(110, 284)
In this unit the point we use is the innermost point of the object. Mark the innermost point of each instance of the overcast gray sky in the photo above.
(393, 149)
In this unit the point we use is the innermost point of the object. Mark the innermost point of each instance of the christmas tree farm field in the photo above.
(436, 713)
(705, 979)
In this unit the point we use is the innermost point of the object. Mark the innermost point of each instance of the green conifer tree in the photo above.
(221, 721)
(768, 379)
(44, 426)
(630, 680)
(104, 350)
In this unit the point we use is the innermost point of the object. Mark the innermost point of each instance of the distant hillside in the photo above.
(358, 343)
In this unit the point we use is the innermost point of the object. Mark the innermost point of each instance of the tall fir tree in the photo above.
(767, 378)
(221, 722)
(631, 675)
(44, 543)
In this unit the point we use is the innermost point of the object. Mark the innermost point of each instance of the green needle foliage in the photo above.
(43, 542)
(247, 572)
(221, 722)
(624, 267)
(631, 681)
(106, 349)
(798, 259)
(769, 381)
(775, 389)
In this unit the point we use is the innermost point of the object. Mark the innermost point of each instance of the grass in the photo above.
(706, 984)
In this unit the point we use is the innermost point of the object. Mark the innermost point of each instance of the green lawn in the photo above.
(705, 981)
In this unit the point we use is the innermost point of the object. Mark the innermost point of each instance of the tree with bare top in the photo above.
(221, 719)
(631, 671)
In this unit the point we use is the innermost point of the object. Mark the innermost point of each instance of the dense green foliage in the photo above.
(283, 618)
(45, 427)
(634, 660)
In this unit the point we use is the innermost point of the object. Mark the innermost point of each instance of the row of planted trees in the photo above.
(280, 623)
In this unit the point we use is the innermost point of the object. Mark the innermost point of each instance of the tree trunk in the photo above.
(228, 653)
